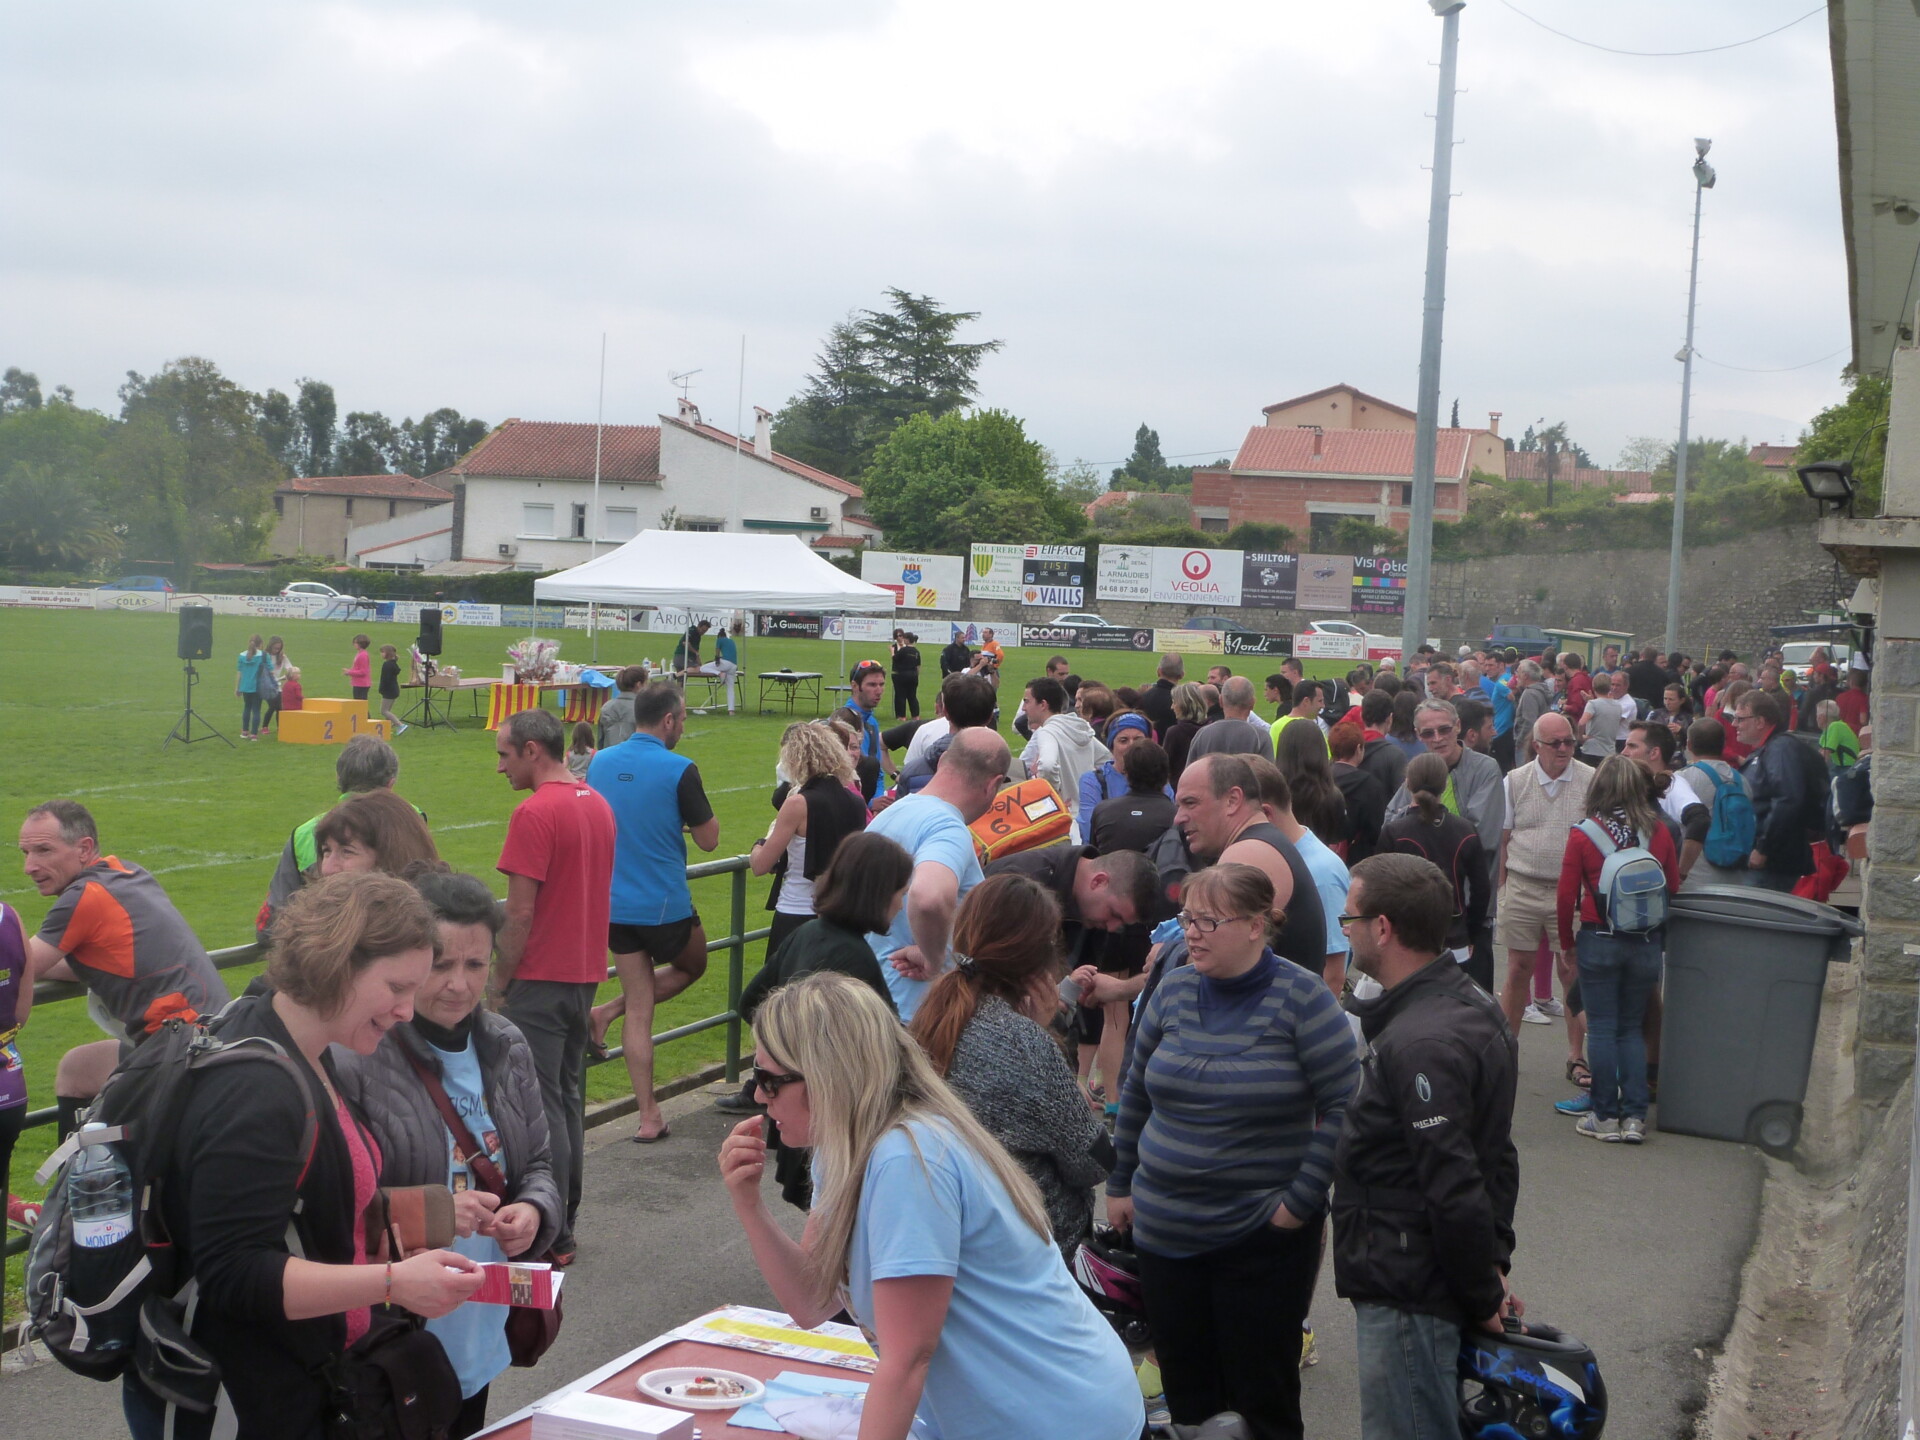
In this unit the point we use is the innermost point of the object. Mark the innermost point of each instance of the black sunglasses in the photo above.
(771, 1080)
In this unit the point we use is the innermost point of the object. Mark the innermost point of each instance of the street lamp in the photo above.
(1426, 426)
(1703, 178)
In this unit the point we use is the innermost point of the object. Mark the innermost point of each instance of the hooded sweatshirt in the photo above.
(1060, 752)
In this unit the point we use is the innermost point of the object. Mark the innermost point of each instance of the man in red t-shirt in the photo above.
(1853, 700)
(552, 952)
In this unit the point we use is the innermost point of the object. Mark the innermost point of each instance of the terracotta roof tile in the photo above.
(837, 542)
(1288, 451)
(547, 449)
(1773, 455)
(385, 487)
(784, 462)
(1532, 465)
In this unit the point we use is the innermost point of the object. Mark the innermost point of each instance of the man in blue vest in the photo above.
(659, 946)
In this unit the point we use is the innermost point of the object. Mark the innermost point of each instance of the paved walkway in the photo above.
(1636, 1251)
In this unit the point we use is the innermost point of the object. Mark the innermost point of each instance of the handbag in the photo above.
(394, 1383)
(531, 1331)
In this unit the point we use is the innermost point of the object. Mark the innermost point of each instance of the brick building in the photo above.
(314, 514)
(1335, 453)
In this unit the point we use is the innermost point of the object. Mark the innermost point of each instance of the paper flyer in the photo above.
(532, 1284)
(769, 1332)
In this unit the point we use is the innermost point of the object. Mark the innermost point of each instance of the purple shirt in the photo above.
(13, 974)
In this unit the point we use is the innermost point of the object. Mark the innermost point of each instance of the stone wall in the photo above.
(1890, 900)
(1731, 594)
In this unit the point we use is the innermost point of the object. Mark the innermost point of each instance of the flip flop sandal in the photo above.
(1579, 1074)
(664, 1133)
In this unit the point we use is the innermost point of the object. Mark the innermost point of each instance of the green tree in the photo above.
(940, 483)
(1079, 482)
(19, 390)
(437, 440)
(1147, 469)
(278, 422)
(1855, 430)
(51, 525)
(369, 444)
(188, 474)
(1357, 535)
(876, 368)
(317, 411)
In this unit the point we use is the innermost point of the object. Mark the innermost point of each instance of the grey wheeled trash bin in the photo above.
(1745, 968)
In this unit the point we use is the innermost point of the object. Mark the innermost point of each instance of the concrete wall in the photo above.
(418, 539)
(715, 482)
(489, 515)
(319, 524)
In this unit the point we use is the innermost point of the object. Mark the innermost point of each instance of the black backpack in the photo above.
(100, 1311)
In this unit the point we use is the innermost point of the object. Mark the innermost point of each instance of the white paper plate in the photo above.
(665, 1385)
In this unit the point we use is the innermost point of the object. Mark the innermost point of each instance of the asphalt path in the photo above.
(1637, 1251)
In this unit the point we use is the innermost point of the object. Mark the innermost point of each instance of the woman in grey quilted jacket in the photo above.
(482, 1067)
(982, 1027)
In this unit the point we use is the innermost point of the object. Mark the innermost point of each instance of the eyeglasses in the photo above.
(1743, 719)
(1206, 924)
(772, 1080)
(1346, 920)
(1566, 744)
(1435, 734)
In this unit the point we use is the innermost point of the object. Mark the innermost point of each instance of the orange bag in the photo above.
(1022, 817)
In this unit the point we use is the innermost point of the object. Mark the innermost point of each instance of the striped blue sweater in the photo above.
(1216, 1130)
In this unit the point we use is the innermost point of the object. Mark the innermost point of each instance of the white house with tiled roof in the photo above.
(524, 497)
(313, 515)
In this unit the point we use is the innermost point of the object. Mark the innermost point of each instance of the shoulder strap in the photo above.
(470, 1153)
(1597, 833)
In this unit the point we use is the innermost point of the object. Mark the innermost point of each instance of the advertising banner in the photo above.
(918, 582)
(1246, 642)
(861, 629)
(1125, 572)
(1312, 645)
(1379, 585)
(1267, 581)
(1053, 576)
(1196, 577)
(48, 598)
(789, 626)
(1326, 583)
(1084, 637)
(1190, 642)
(995, 572)
(131, 599)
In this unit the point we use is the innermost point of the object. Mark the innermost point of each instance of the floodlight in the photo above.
(1703, 173)
(1829, 483)
(1444, 8)
(1700, 147)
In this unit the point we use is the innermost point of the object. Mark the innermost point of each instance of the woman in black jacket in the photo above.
(818, 806)
(906, 675)
(456, 1055)
(348, 953)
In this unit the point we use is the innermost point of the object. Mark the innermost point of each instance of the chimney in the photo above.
(689, 412)
(763, 433)
(1319, 439)
(1493, 422)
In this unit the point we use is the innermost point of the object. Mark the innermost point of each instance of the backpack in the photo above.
(1633, 886)
(100, 1311)
(1731, 832)
(1851, 801)
(1022, 817)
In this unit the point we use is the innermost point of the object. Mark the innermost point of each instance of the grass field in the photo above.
(90, 696)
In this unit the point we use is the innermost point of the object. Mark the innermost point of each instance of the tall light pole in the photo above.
(1703, 178)
(1426, 429)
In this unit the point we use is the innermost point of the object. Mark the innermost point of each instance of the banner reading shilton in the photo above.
(1268, 581)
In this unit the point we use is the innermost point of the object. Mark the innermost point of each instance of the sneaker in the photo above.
(1633, 1131)
(22, 1214)
(1594, 1128)
(1552, 1007)
(1158, 1413)
(1534, 1015)
(403, 729)
(1578, 1105)
(1309, 1353)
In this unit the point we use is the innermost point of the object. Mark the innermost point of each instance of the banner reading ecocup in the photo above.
(1084, 637)
(918, 582)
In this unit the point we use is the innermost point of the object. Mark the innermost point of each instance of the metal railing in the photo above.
(735, 943)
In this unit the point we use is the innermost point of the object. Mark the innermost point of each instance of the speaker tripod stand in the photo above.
(431, 717)
(183, 727)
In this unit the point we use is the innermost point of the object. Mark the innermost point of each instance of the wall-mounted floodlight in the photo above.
(1444, 8)
(1829, 483)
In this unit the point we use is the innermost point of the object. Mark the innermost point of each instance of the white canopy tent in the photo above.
(709, 570)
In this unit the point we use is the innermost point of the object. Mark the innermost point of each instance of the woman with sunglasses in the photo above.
(925, 1228)
(1243, 1064)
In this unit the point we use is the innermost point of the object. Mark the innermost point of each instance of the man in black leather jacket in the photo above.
(1788, 782)
(1426, 1174)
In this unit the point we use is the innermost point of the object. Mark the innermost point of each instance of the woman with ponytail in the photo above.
(925, 1228)
(1435, 833)
(980, 1025)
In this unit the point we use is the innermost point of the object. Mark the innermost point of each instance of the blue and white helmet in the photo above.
(1532, 1383)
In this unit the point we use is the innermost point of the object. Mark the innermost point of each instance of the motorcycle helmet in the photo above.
(1532, 1383)
(1107, 1269)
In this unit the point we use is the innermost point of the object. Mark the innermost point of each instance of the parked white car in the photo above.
(1085, 619)
(313, 589)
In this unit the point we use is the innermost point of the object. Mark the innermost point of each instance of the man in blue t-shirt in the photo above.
(659, 946)
(931, 826)
(868, 680)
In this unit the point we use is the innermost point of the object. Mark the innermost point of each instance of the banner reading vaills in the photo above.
(1196, 577)
(919, 582)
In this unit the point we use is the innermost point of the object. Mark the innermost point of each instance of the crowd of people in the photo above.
(1248, 1002)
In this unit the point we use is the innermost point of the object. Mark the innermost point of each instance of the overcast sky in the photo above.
(1170, 215)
